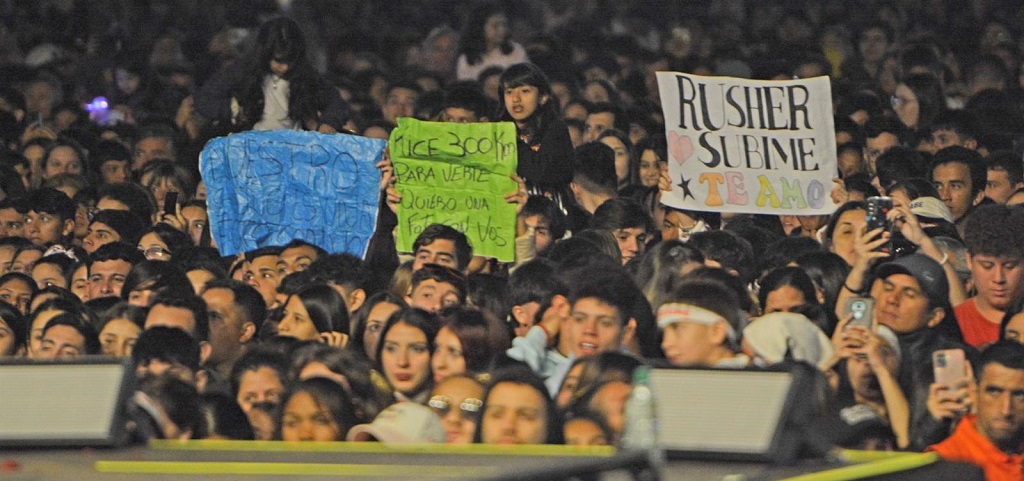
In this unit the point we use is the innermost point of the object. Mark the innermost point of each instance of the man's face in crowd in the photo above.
(596, 124)
(148, 149)
(107, 277)
(875, 146)
(61, 342)
(947, 138)
(229, 329)
(998, 186)
(542, 239)
(263, 276)
(514, 414)
(902, 305)
(597, 326)
(953, 181)
(295, 259)
(12, 223)
(161, 315)
(432, 296)
(113, 171)
(440, 252)
(997, 279)
(1001, 406)
(401, 102)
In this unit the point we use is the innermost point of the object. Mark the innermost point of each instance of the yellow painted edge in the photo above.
(242, 468)
(873, 468)
(342, 447)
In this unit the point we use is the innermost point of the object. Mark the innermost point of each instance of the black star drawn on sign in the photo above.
(684, 184)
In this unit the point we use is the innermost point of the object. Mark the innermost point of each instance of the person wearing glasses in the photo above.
(456, 400)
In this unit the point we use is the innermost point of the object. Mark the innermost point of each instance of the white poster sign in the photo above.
(749, 146)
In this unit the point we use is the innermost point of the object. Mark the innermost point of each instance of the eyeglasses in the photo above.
(469, 407)
(897, 101)
(155, 253)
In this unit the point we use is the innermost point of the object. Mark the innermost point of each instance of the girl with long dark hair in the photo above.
(545, 150)
(273, 87)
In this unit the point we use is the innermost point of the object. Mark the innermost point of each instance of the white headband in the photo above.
(673, 312)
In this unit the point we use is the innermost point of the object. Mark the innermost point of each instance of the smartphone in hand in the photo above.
(862, 309)
(950, 367)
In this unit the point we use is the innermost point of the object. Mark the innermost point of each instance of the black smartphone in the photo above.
(170, 202)
(878, 208)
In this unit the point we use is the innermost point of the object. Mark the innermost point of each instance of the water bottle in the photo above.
(640, 432)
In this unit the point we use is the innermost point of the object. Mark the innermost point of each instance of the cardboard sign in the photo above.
(457, 174)
(749, 146)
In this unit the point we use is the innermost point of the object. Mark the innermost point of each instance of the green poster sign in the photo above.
(457, 174)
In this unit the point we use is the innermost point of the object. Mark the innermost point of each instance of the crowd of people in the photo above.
(913, 318)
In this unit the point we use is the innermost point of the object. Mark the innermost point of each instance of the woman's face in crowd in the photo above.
(495, 30)
(62, 160)
(304, 419)
(650, 168)
(405, 358)
(80, 282)
(7, 347)
(1014, 330)
(118, 337)
(514, 414)
(783, 299)
(457, 401)
(447, 359)
(906, 106)
(843, 235)
(154, 248)
(569, 385)
(374, 324)
(523, 101)
(261, 385)
(25, 261)
(584, 432)
(296, 322)
(48, 274)
(17, 293)
(621, 157)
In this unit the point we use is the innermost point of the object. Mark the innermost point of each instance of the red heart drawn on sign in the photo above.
(680, 147)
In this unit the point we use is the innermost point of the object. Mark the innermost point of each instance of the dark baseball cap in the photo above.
(926, 271)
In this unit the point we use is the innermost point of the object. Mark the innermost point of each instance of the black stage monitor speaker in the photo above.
(78, 403)
(741, 415)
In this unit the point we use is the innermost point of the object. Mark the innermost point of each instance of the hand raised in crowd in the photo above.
(518, 196)
(334, 339)
(953, 402)
(664, 181)
(388, 180)
(906, 222)
(839, 194)
(176, 220)
(866, 245)
(846, 339)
